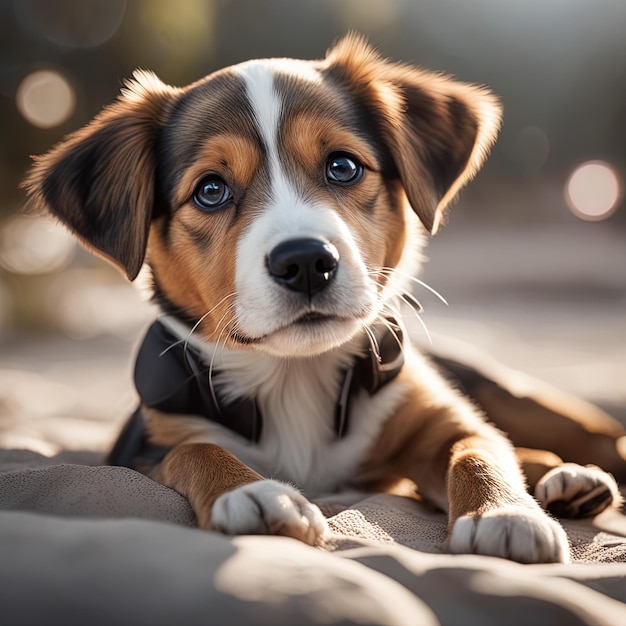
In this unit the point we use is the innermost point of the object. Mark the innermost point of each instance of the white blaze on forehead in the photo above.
(267, 104)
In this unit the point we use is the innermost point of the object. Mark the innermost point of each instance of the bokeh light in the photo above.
(34, 245)
(45, 98)
(593, 191)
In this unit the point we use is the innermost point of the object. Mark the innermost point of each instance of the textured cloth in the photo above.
(83, 543)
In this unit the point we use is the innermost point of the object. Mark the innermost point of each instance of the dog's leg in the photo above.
(228, 496)
(468, 468)
(491, 513)
(477, 479)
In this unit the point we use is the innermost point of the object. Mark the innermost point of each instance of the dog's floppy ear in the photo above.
(437, 130)
(100, 181)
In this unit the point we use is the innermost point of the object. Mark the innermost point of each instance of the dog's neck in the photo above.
(247, 381)
(245, 372)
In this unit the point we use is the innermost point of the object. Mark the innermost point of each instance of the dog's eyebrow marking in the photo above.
(232, 156)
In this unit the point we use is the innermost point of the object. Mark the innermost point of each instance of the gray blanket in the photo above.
(82, 543)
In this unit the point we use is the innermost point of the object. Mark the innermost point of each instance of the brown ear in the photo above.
(438, 131)
(100, 181)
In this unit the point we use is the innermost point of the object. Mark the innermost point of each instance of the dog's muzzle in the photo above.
(306, 266)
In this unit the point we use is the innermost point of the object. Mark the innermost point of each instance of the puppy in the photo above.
(281, 206)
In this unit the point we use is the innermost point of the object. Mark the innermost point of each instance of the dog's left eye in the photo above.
(211, 193)
(343, 169)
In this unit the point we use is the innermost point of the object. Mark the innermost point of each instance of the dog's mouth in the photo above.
(307, 321)
(313, 317)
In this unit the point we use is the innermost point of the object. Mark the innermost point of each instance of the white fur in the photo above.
(575, 486)
(523, 534)
(297, 399)
(269, 507)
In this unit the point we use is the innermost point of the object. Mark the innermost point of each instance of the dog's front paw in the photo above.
(572, 490)
(269, 507)
(518, 533)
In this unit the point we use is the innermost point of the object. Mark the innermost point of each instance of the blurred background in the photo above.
(532, 260)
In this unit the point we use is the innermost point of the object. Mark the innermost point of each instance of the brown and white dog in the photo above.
(281, 206)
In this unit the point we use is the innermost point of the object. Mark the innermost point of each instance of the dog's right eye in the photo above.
(212, 193)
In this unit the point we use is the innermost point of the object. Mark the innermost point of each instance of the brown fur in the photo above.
(198, 279)
(237, 156)
(435, 430)
(202, 472)
(543, 418)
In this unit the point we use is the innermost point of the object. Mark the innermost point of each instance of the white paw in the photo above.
(269, 507)
(572, 490)
(518, 533)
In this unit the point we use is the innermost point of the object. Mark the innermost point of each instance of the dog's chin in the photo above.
(307, 337)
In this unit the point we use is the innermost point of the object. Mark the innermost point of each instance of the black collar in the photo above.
(171, 377)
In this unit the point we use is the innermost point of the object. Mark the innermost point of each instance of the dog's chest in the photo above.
(298, 403)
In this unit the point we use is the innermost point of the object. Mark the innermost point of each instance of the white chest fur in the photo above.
(297, 399)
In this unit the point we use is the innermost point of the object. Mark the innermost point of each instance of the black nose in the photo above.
(303, 265)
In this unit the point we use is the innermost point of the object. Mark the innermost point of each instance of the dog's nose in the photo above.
(303, 265)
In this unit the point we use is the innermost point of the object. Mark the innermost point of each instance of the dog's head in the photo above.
(271, 197)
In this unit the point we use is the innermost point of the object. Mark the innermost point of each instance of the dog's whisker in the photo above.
(407, 297)
(203, 317)
(373, 341)
(195, 326)
(415, 312)
(380, 279)
(193, 329)
(210, 379)
(210, 368)
(425, 328)
(220, 344)
(390, 310)
(222, 326)
(232, 294)
(381, 282)
(412, 302)
(182, 341)
(389, 326)
(171, 346)
(389, 271)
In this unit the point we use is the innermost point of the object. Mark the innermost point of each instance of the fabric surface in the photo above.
(83, 543)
